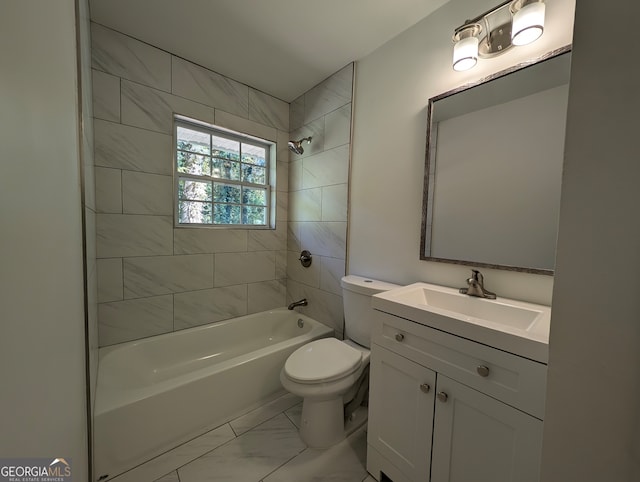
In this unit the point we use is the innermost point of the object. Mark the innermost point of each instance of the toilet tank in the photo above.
(356, 296)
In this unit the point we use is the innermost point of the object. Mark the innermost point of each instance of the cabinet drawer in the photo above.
(517, 381)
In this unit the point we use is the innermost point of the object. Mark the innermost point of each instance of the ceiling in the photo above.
(281, 47)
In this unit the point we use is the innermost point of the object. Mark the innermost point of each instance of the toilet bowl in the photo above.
(330, 373)
(325, 373)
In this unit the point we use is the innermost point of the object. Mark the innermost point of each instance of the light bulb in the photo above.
(528, 24)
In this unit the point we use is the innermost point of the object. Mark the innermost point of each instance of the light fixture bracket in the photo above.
(467, 30)
(497, 39)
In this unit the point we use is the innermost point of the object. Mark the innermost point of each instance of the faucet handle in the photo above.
(477, 276)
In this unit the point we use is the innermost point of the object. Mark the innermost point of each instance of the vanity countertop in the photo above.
(513, 326)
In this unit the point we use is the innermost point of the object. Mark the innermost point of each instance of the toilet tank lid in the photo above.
(365, 286)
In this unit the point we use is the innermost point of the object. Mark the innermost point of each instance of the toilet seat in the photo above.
(324, 360)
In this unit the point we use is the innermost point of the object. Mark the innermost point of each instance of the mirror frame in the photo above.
(425, 192)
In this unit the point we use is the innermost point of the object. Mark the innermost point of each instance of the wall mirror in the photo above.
(493, 168)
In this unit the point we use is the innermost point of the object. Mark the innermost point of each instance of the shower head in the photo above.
(296, 146)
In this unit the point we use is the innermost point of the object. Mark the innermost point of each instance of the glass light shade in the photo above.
(465, 53)
(528, 24)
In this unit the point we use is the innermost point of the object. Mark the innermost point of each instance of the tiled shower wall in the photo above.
(154, 278)
(318, 191)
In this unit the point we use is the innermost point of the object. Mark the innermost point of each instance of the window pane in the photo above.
(226, 169)
(226, 193)
(194, 212)
(194, 190)
(254, 215)
(254, 154)
(254, 174)
(222, 177)
(226, 214)
(194, 141)
(193, 164)
(225, 148)
(254, 196)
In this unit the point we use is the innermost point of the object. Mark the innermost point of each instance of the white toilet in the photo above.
(329, 373)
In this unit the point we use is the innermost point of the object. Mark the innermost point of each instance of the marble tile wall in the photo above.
(152, 277)
(318, 196)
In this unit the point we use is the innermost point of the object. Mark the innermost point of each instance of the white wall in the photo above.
(592, 422)
(42, 354)
(393, 86)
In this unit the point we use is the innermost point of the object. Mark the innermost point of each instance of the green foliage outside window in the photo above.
(221, 180)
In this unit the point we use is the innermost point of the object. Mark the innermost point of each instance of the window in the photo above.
(222, 178)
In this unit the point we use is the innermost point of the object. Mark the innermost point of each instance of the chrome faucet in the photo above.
(476, 286)
(302, 302)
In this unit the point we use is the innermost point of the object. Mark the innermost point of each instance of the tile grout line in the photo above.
(234, 438)
(206, 453)
(285, 463)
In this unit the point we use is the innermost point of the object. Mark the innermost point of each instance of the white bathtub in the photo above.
(156, 393)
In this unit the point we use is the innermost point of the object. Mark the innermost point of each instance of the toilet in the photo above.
(332, 375)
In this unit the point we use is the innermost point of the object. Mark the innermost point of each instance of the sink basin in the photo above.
(493, 311)
(510, 325)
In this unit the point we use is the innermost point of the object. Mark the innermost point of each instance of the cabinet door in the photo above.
(401, 412)
(480, 439)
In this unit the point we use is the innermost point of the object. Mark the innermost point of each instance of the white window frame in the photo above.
(235, 136)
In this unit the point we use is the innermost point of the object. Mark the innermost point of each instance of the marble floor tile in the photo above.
(172, 477)
(295, 414)
(250, 457)
(266, 451)
(267, 411)
(344, 462)
(177, 457)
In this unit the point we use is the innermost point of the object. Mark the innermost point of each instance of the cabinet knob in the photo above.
(443, 397)
(482, 370)
(399, 337)
(425, 387)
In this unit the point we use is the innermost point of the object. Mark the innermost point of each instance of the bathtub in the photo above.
(156, 393)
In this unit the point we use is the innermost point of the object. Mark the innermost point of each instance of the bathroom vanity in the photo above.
(457, 387)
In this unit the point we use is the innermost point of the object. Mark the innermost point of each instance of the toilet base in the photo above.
(331, 428)
(322, 422)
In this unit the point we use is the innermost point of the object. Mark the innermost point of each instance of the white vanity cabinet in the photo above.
(446, 409)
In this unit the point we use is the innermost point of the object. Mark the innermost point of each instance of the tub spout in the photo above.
(302, 302)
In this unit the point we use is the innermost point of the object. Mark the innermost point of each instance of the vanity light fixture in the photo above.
(515, 22)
